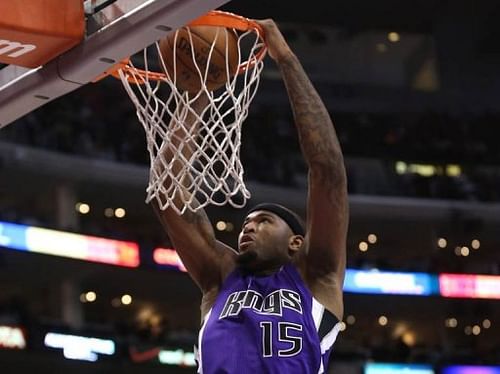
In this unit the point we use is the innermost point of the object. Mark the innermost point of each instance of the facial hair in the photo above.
(246, 258)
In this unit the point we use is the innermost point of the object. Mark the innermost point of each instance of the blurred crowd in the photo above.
(125, 332)
(102, 124)
(422, 137)
(128, 334)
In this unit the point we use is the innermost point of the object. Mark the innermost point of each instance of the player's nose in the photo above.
(249, 227)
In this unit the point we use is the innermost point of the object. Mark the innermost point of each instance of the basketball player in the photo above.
(274, 305)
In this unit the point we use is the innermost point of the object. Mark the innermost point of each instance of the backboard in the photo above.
(115, 29)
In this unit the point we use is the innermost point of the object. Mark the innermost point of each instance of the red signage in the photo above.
(168, 256)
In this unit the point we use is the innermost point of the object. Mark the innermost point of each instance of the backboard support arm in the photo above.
(118, 31)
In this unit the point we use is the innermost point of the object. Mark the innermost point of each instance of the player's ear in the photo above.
(295, 243)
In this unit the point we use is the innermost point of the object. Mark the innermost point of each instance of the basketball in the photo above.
(193, 53)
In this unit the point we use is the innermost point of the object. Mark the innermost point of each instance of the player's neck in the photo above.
(265, 272)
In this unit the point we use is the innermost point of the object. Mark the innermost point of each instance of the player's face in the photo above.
(263, 241)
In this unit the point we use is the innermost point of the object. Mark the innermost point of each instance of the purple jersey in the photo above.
(268, 324)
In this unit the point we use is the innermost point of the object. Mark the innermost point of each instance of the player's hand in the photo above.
(277, 47)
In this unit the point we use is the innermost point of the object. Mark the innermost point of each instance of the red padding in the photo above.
(34, 32)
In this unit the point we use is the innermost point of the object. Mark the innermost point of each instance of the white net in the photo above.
(194, 138)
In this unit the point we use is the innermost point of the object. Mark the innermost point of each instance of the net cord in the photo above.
(213, 173)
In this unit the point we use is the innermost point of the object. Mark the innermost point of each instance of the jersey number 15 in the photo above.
(284, 335)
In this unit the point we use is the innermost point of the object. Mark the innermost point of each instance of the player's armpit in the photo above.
(328, 292)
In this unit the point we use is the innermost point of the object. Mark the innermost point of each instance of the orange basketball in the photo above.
(195, 51)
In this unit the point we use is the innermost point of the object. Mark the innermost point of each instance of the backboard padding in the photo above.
(126, 26)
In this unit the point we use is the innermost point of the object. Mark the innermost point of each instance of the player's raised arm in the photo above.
(323, 264)
(192, 233)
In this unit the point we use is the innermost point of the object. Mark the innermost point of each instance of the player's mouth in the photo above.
(245, 241)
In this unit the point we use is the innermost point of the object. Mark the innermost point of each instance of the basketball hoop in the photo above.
(212, 171)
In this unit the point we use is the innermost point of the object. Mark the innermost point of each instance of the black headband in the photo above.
(291, 218)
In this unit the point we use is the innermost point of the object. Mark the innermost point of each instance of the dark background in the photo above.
(431, 98)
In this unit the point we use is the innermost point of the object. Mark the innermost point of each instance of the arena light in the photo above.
(363, 246)
(382, 320)
(423, 170)
(65, 244)
(178, 357)
(426, 170)
(464, 369)
(442, 243)
(469, 286)
(126, 299)
(453, 170)
(400, 167)
(120, 212)
(379, 282)
(393, 37)
(394, 368)
(88, 297)
(409, 338)
(372, 238)
(476, 330)
(451, 322)
(12, 337)
(80, 347)
(224, 226)
(82, 208)
(221, 225)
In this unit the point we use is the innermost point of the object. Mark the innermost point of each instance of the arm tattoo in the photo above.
(200, 220)
(318, 139)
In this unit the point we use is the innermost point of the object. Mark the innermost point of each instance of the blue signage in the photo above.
(13, 236)
(383, 282)
(459, 369)
(386, 368)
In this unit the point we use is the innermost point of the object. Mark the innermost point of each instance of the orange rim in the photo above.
(212, 18)
(234, 21)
